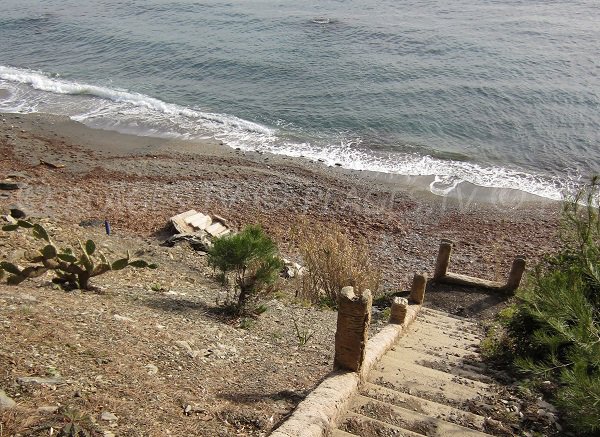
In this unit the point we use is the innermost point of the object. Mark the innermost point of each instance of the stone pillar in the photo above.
(417, 290)
(354, 317)
(443, 259)
(516, 273)
(398, 312)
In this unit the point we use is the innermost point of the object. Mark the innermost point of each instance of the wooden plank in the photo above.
(180, 224)
(201, 221)
(215, 229)
(456, 278)
(189, 219)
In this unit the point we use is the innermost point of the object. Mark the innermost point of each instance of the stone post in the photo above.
(516, 273)
(417, 290)
(398, 312)
(443, 259)
(354, 316)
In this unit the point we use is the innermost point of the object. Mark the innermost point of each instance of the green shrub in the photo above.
(71, 270)
(553, 330)
(252, 258)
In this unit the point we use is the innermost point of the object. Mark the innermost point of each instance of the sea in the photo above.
(494, 93)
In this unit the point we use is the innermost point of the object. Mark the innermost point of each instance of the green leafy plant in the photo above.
(252, 258)
(78, 424)
(552, 332)
(71, 269)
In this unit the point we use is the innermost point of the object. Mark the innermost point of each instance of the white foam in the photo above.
(136, 113)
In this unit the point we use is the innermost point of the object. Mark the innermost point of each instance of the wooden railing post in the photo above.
(417, 289)
(354, 317)
(516, 273)
(398, 310)
(443, 259)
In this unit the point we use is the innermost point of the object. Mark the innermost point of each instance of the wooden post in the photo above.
(417, 290)
(398, 312)
(516, 273)
(443, 259)
(354, 317)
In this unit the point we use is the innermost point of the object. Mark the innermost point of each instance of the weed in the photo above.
(260, 309)
(247, 323)
(333, 261)
(303, 335)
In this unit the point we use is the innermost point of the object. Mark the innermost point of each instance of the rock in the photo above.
(5, 401)
(48, 409)
(123, 318)
(152, 369)
(40, 381)
(546, 406)
(9, 185)
(18, 213)
(10, 219)
(17, 175)
(291, 269)
(185, 345)
(108, 434)
(108, 416)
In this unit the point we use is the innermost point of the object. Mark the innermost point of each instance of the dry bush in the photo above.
(333, 261)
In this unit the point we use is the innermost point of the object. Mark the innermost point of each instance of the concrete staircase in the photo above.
(430, 383)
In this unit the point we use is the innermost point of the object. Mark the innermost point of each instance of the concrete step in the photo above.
(399, 367)
(470, 328)
(425, 340)
(437, 386)
(340, 433)
(449, 319)
(423, 406)
(409, 419)
(464, 367)
(367, 427)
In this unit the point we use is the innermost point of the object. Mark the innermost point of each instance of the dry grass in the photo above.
(333, 261)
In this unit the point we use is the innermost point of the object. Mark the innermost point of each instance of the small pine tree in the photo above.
(553, 331)
(252, 257)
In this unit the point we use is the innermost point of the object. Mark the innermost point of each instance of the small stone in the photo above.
(108, 416)
(40, 381)
(18, 213)
(48, 409)
(5, 401)
(123, 318)
(152, 369)
(546, 406)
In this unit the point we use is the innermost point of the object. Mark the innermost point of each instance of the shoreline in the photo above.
(115, 142)
(137, 183)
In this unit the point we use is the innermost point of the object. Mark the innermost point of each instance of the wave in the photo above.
(131, 112)
(42, 82)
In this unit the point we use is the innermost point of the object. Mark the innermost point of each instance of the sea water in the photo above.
(498, 93)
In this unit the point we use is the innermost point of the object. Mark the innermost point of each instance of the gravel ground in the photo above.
(153, 347)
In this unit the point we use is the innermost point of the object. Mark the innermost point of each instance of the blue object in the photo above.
(107, 227)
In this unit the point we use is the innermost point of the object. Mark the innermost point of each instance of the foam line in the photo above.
(136, 113)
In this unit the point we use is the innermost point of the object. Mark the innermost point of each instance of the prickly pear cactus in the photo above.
(71, 270)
